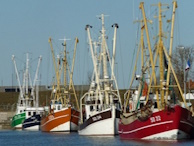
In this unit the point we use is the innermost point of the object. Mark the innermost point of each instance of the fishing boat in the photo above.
(33, 118)
(152, 115)
(27, 102)
(62, 116)
(100, 106)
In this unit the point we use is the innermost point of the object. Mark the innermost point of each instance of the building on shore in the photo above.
(41, 88)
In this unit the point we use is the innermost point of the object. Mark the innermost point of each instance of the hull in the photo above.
(32, 123)
(74, 120)
(101, 124)
(17, 121)
(171, 124)
(60, 121)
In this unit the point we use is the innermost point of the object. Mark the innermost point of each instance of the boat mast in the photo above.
(93, 57)
(65, 91)
(161, 56)
(141, 84)
(161, 49)
(151, 55)
(35, 80)
(113, 63)
(171, 44)
(105, 71)
(71, 85)
(26, 79)
(73, 88)
(21, 97)
(72, 67)
(114, 47)
(65, 64)
(37, 95)
(56, 69)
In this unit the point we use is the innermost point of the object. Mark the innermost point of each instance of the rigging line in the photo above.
(50, 67)
(19, 59)
(54, 42)
(133, 10)
(168, 26)
(178, 30)
(35, 59)
(71, 45)
(151, 13)
(78, 64)
(94, 31)
(108, 30)
(88, 66)
(136, 45)
(13, 74)
(109, 41)
(40, 73)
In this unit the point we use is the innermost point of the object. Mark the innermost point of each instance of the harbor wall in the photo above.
(5, 120)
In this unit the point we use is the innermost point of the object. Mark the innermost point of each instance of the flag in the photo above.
(188, 65)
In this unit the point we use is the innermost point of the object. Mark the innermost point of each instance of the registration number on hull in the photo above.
(155, 119)
(96, 118)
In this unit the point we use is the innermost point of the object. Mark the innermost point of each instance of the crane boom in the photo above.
(17, 75)
(36, 76)
(53, 56)
(72, 67)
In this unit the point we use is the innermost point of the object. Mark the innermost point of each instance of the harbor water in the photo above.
(38, 138)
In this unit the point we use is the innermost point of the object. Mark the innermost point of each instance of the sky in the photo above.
(26, 25)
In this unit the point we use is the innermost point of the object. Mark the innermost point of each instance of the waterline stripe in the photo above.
(161, 123)
(75, 116)
(54, 119)
(19, 118)
(30, 122)
(187, 123)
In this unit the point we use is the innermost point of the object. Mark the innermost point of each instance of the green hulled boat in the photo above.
(26, 99)
(17, 120)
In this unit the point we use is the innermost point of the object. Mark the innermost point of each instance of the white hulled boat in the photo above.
(100, 106)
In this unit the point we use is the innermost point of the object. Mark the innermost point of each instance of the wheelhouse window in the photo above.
(141, 105)
(91, 108)
(155, 105)
(97, 108)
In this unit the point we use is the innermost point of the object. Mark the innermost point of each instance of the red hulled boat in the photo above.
(171, 123)
(156, 113)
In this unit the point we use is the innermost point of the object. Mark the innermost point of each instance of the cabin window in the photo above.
(91, 108)
(59, 107)
(34, 113)
(155, 105)
(20, 111)
(97, 108)
(141, 105)
(29, 113)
